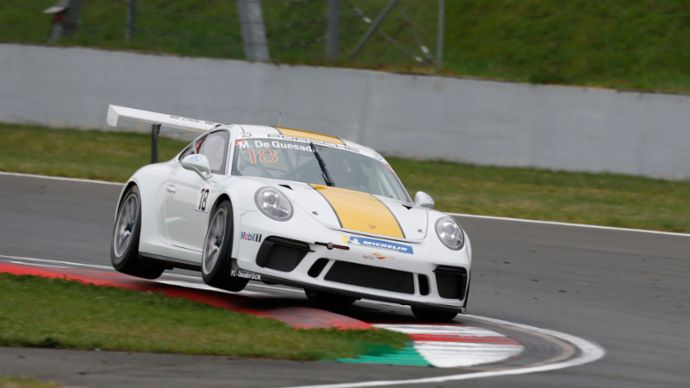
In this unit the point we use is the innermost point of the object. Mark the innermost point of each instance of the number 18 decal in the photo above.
(203, 199)
(266, 155)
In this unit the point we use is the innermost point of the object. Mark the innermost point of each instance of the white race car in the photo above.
(247, 202)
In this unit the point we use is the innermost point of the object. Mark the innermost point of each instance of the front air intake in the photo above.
(371, 277)
(281, 254)
(451, 282)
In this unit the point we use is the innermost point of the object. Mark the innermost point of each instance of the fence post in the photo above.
(253, 30)
(333, 29)
(441, 30)
(155, 131)
(71, 23)
(65, 18)
(131, 19)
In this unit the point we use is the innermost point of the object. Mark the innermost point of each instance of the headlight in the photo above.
(450, 233)
(273, 203)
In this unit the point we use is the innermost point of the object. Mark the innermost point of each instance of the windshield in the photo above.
(296, 161)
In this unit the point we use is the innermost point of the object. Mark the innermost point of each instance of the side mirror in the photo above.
(197, 163)
(422, 199)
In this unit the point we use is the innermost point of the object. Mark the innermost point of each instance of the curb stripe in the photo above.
(587, 352)
(453, 349)
(465, 339)
(407, 356)
(296, 317)
(447, 350)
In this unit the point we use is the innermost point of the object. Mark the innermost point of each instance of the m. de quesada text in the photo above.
(274, 144)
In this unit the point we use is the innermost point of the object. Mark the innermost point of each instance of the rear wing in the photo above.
(123, 117)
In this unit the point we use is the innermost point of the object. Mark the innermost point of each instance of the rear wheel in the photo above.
(433, 315)
(328, 299)
(124, 248)
(216, 263)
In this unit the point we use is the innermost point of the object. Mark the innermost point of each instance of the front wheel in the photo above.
(432, 315)
(216, 263)
(124, 248)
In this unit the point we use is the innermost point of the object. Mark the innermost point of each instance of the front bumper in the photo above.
(307, 254)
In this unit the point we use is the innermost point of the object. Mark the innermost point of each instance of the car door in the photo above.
(186, 204)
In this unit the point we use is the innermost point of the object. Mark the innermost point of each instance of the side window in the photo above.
(187, 151)
(193, 148)
(215, 147)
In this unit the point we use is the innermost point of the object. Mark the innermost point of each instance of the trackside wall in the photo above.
(484, 122)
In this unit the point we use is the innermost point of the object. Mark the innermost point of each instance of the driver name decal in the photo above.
(238, 273)
(258, 144)
(300, 139)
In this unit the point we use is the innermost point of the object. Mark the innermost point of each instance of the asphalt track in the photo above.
(627, 291)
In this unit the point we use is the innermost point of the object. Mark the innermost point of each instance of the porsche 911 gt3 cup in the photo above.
(279, 205)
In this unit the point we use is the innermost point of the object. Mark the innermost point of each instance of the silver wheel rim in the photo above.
(124, 227)
(214, 240)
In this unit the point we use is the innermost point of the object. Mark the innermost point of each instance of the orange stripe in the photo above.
(361, 212)
(309, 135)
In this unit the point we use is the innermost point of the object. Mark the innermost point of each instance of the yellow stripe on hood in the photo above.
(361, 211)
(309, 135)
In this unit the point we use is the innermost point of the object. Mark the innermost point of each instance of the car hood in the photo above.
(359, 212)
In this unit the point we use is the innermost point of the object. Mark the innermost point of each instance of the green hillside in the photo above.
(636, 44)
(623, 44)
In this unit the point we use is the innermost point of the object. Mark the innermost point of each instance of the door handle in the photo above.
(171, 189)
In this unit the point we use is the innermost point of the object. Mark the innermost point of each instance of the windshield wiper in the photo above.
(324, 172)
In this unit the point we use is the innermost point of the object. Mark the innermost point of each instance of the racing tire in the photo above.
(124, 246)
(216, 263)
(328, 299)
(433, 315)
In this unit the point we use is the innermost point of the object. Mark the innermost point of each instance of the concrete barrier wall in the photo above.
(484, 122)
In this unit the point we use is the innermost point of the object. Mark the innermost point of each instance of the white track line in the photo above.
(69, 263)
(588, 352)
(42, 265)
(555, 223)
(60, 178)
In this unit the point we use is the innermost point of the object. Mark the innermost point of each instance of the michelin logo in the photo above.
(373, 243)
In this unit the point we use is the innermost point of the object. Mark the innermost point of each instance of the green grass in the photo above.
(22, 382)
(621, 44)
(80, 154)
(56, 313)
(603, 199)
